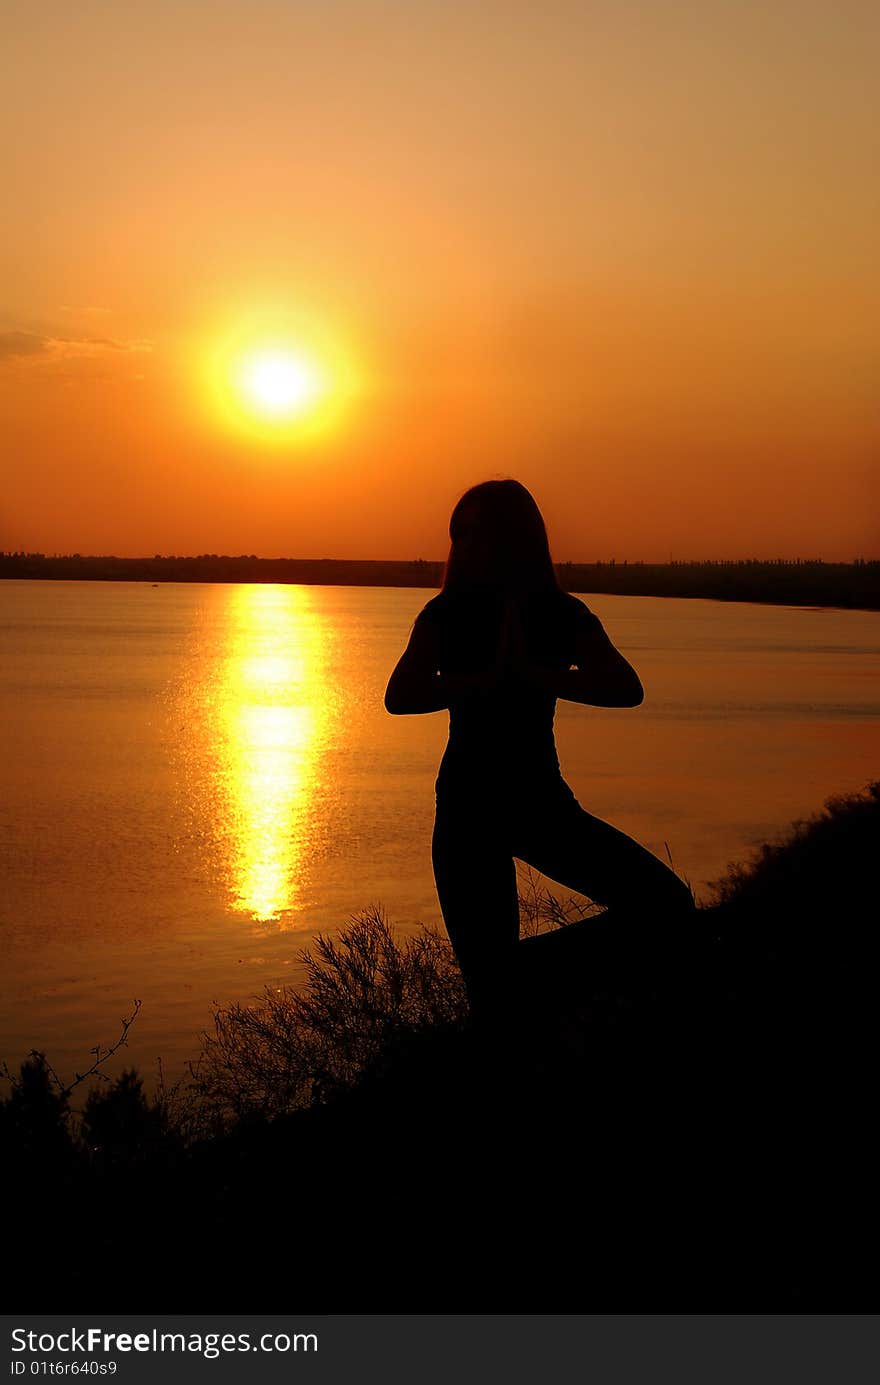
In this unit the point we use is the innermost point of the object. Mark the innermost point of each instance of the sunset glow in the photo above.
(289, 283)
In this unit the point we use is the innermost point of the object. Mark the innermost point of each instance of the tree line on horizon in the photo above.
(779, 581)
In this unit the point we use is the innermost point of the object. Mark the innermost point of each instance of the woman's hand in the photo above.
(602, 677)
(506, 667)
(417, 686)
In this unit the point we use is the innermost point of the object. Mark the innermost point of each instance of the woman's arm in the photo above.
(416, 685)
(602, 676)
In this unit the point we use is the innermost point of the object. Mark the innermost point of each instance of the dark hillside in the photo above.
(692, 1136)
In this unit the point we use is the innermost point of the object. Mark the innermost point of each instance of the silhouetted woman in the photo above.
(496, 647)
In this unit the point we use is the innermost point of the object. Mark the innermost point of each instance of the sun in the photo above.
(280, 384)
(277, 381)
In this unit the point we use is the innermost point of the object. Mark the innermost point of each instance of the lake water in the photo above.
(199, 778)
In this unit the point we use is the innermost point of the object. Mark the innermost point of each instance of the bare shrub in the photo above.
(363, 989)
(540, 909)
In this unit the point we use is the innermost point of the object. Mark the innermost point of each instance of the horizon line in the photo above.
(425, 562)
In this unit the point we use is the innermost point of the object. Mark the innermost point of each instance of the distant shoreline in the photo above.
(852, 586)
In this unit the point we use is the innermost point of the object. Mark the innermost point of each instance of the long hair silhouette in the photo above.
(498, 536)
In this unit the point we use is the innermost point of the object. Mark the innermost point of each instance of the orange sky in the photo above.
(624, 252)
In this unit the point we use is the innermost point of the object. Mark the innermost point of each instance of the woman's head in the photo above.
(498, 538)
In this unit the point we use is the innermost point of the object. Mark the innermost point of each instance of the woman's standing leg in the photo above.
(475, 876)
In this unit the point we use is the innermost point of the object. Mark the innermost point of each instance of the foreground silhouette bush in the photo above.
(363, 991)
(35, 1120)
(822, 862)
(122, 1126)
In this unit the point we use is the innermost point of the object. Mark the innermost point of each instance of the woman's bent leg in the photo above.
(476, 885)
(588, 855)
(649, 908)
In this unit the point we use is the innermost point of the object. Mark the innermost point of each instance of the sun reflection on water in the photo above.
(270, 724)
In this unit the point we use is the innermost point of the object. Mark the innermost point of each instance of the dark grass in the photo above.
(688, 1135)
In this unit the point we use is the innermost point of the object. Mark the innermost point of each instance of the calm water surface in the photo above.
(199, 778)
